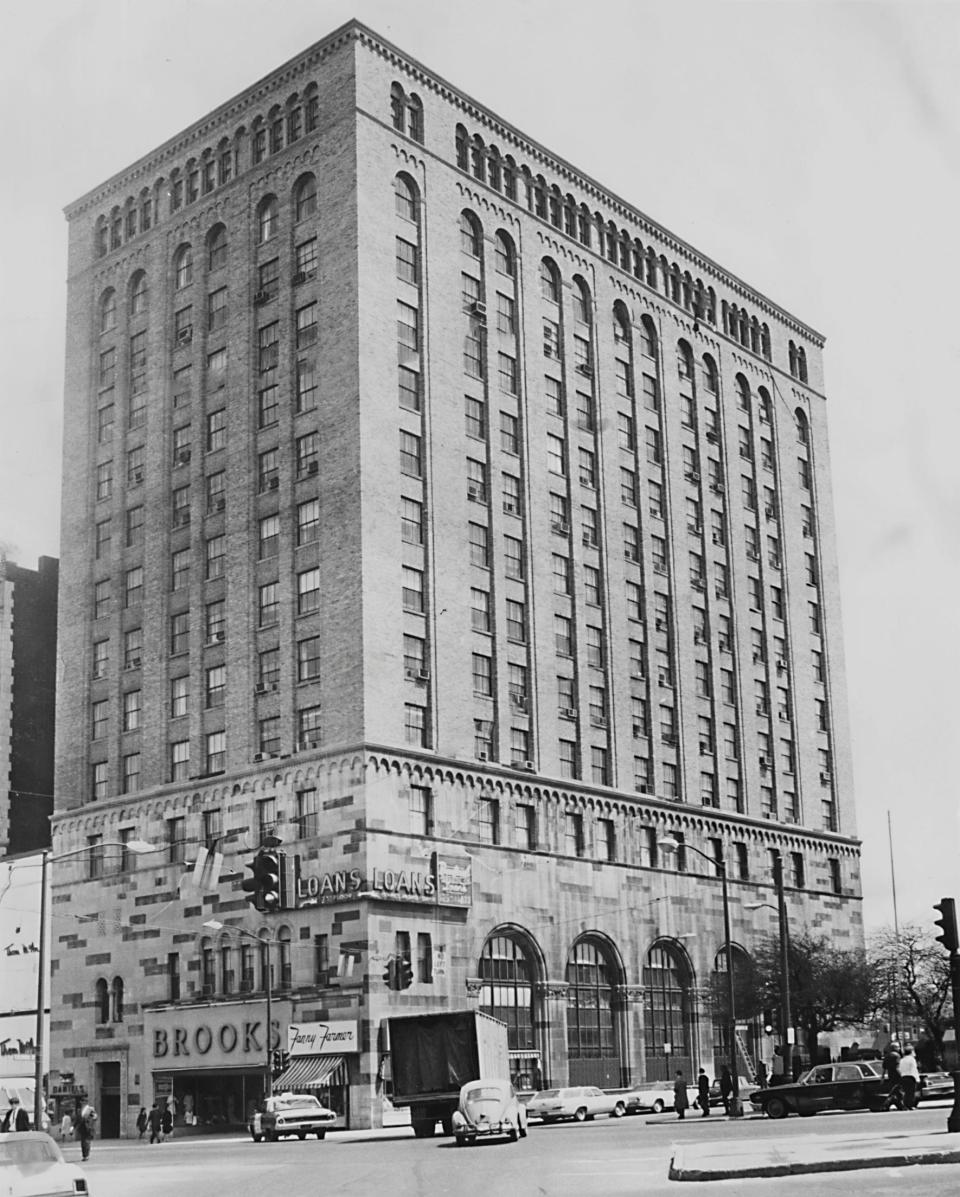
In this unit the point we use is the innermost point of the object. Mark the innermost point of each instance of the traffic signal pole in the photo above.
(786, 1029)
(268, 985)
(947, 910)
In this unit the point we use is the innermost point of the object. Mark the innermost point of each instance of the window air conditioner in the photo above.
(478, 308)
(184, 336)
(261, 297)
(299, 277)
(568, 712)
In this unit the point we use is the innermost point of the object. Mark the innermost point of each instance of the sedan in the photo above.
(847, 1086)
(489, 1108)
(579, 1103)
(32, 1166)
(656, 1097)
(935, 1086)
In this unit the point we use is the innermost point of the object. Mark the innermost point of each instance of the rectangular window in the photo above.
(516, 622)
(513, 557)
(216, 557)
(479, 545)
(308, 813)
(525, 827)
(408, 334)
(216, 686)
(268, 736)
(475, 418)
(412, 590)
(133, 586)
(131, 710)
(408, 384)
(269, 536)
(573, 833)
(563, 635)
(269, 603)
(306, 320)
(101, 657)
(268, 347)
(308, 591)
(556, 454)
(407, 262)
(268, 668)
(308, 451)
(479, 610)
(216, 430)
(216, 751)
(509, 433)
(415, 725)
(179, 632)
(308, 521)
(268, 406)
(104, 424)
(483, 739)
(420, 807)
(130, 779)
(488, 820)
(179, 760)
(411, 521)
(179, 696)
(424, 973)
(507, 370)
(482, 675)
(307, 387)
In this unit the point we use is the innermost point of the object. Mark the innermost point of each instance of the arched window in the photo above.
(755, 335)
(507, 991)
(294, 119)
(765, 340)
(684, 361)
(247, 966)
(224, 161)
(621, 325)
(743, 393)
(478, 159)
(591, 1033)
(471, 237)
(508, 971)
(305, 198)
(764, 406)
(509, 178)
(494, 168)
(584, 225)
(648, 337)
(100, 236)
(267, 218)
(463, 153)
(405, 191)
(312, 118)
(116, 228)
(101, 1002)
(803, 428)
(549, 281)
(398, 103)
(668, 1011)
(415, 118)
(116, 1000)
(652, 268)
(108, 310)
(580, 295)
(710, 378)
(227, 975)
(183, 267)
(285, 966)
(556, 207)
(504, 256)
(138, 294)
(801, 363)
(216, 248)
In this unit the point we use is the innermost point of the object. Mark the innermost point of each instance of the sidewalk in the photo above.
(811, 1153)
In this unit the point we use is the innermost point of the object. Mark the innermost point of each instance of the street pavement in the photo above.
(603, 1158)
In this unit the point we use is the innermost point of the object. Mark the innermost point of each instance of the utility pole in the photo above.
(786, 1016)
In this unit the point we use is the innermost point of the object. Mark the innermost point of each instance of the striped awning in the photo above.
(312, 1072)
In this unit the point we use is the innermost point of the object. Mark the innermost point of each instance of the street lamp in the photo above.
(265, 944)
(671, 845)
(137, 846)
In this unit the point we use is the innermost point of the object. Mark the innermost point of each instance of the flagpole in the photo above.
(896, 927)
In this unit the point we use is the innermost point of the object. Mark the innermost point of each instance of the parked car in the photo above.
(935, 1086)
(487, 1109)
(579, 1103)
(656, 1097)
(299, 1114)
(745, 1089)
(31, 1165)
(846, 1086)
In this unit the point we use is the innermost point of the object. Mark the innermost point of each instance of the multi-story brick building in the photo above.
(28, 674)
(432, 508)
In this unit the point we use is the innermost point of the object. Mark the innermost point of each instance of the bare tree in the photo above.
(921, 971)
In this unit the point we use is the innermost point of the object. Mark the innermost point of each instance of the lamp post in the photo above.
(736, 1110)
(46, 857)
(265, 944)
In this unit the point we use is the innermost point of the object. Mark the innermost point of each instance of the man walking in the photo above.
(85, 1127)
(909, 1079)
(155, 1119)
(680, 1099)
(703, 1094)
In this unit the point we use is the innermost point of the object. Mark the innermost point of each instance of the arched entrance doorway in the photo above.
(593, 1024)
(668, 1011)
(508, 971)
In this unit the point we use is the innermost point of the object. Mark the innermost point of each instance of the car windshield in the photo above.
(28, 1151)
(546, 1093)
(295, 1099)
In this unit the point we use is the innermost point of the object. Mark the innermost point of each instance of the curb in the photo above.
(900, 1160)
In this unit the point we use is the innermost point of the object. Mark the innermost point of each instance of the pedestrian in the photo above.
(726, 1088)
(142, 1122)
(680, 1099)
(66, 1127)
(155, 1120)
(703, 1094)
(762, 1075)
(16, 1118)
(891, 1070)
(909, 1079)
(85, 1128)
(166, 1122)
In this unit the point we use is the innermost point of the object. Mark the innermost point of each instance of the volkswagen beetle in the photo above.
(488, 1109)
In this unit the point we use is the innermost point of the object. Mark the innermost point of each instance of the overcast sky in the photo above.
(811, 148)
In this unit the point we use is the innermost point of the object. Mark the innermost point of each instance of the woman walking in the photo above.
(680, 1099)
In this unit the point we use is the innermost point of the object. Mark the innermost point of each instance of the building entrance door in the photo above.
(108, 1087)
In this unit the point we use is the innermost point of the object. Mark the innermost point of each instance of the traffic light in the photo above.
(404, 973)
(280, 1062)
(768, 1021)
(390, 974)
(270, 871)
(948, 921)
(266, 888)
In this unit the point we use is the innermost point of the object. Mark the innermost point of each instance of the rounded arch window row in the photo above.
(406, 112)
(235, 963)
(216, 166)
(108, 1000)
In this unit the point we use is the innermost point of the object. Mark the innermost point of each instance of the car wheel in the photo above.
(658, 1106)
(580, 1115)
(523, 1130)
(619, 1110)
(256, 1138)
(777, 1108)
(301, 1135)
(461, 1140)
(514, 1134)
(321, 1134)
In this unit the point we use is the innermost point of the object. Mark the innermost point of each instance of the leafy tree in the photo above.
(912, 974)
(830, 987)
